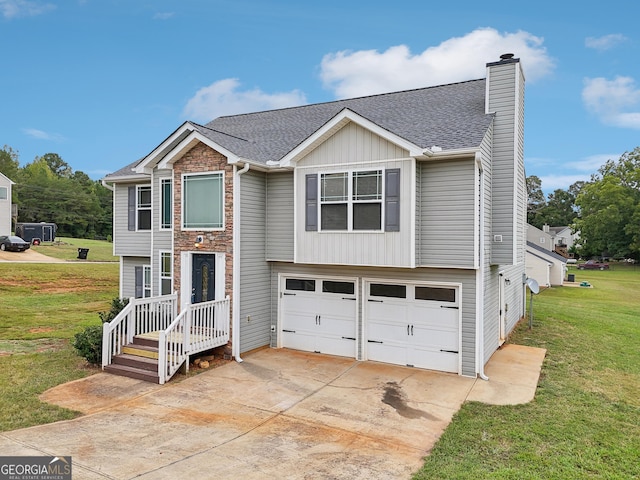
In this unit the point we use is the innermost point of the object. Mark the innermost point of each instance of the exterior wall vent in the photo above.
(497, 238)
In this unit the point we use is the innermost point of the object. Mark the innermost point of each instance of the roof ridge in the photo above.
(349, 99)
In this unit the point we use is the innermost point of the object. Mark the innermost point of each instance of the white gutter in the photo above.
(480, 280)
(106, 185)
(235, 329)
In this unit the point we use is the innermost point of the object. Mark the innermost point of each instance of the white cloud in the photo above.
(366, 72)
(224, 98)
(42, 135)
(163, 15)
(592, 163)
(605, 42)
(616, 102)
(23, 8)
(555, 182)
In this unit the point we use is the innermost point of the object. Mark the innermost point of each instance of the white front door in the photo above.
(319, 315)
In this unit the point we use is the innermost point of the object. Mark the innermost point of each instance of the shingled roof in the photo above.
(449, 116)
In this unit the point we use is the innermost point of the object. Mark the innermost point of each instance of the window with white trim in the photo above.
(4, 192)
(166, 279)
(146, 285)
(355, 201)
(351, 200)
(203, 201)
(143, 208)
(166, 212)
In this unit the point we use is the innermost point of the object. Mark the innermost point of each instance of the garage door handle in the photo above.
(377, 301)
(349, 338)
(285, 293)
(348, 298)
(449, 351)
(374, 341)
(288, 331)
(447, 306)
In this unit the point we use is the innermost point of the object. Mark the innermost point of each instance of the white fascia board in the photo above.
(147, 163)
(187, 143)
(334, 125)
(11, 182)
(427, 154)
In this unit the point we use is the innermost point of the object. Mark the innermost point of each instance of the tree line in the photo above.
(604, 210)
(48, 190)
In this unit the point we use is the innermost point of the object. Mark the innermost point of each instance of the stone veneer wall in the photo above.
(200, 159)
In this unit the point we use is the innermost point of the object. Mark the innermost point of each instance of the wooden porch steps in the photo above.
(138, 360)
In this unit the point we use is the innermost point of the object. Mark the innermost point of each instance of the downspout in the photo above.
(235, 329)
(480, 279)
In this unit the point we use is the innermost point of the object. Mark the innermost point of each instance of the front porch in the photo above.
(150, 340)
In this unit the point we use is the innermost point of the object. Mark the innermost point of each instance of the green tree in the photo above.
(9, 163)
(535, 202)
(57, 165)
(610, 209)
(560, 209)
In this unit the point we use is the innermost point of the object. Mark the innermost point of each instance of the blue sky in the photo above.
(103, 82)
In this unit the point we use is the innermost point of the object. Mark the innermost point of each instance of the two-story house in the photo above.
(5, 204)
(389, 227)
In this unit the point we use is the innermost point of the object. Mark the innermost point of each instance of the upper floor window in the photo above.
(4, 193)
(166, 212)
(367, 200)
(203, 201)
(143, 208)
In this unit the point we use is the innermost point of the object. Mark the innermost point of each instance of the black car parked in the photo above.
(13, 244)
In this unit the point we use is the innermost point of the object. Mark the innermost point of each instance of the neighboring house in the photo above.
(5, 205)
(389, 227)
(546, 267)
(563, 239)
(540, 238)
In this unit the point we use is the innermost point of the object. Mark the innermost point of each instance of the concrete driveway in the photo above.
(279, 414)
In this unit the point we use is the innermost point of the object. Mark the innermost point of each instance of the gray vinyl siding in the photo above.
(255, 299)
(126, 242)
(505, 90)
(162, 238)
(5, 207)
(447, 213)
(467, 279)
(128, 287)
(279, 213)
(353, 144)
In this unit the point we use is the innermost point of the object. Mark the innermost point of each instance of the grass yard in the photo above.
(67, 249)
(43, 306)
(585, 420)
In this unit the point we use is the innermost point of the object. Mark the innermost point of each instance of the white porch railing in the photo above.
(199, 327)
(139, 316)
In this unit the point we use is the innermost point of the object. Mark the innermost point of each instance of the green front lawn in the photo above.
(43, 306)
(585, 420)
(67, 249)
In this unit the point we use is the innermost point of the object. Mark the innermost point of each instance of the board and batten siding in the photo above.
(352, 148)
(279, 213)
(447, 213)
(127, 242)
(353, 144)
(505, 85)
(467, 279)
(255, 272)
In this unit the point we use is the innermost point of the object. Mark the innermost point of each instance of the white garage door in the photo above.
(319, 315)
(410, 324)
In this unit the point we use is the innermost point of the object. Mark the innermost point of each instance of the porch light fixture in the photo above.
(199, 240)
